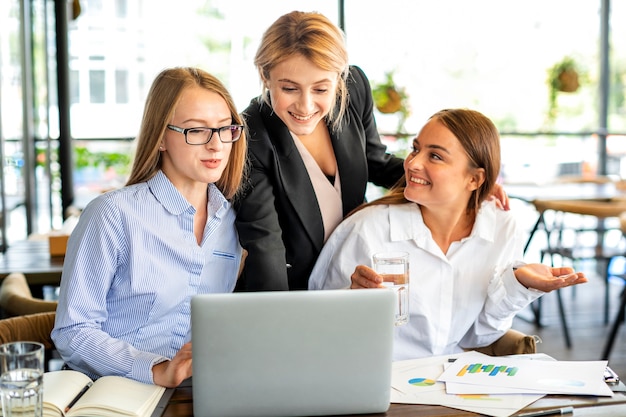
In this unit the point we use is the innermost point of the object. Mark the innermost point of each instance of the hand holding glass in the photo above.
(393, 267)
(21, 383)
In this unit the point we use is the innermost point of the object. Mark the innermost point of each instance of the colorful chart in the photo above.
(421, 382)
(492, 370)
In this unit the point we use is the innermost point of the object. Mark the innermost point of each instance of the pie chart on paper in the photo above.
(421, 382)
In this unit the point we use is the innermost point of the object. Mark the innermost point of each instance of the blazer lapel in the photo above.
(295, 179)
(352, 168)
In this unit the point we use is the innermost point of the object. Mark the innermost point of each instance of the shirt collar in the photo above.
(406, 223)
(174, 202)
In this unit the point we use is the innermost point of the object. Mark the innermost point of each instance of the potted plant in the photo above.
(562, 77)
(390, 99)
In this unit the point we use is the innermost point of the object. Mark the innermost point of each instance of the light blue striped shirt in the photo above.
(131, 268)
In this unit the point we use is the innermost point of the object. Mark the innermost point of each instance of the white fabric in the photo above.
(328, 196)
(465, 298)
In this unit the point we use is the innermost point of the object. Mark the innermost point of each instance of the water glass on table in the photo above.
(21, 379)
(393, 267)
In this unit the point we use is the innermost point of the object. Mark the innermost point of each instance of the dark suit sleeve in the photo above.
(384, 169)
(257, 220)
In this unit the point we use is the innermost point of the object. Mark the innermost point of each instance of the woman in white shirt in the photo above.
(464, 287)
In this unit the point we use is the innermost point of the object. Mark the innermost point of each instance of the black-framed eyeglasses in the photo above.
(203, 135)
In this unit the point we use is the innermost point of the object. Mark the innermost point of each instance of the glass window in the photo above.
(121, 86)
(214, 35)
(121, 8)
(74, 87)
(490, 55)
(96, 86)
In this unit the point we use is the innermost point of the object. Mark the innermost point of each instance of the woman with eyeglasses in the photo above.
(139, 253)
(314, 146)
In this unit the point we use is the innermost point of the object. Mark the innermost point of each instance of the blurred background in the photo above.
(74, 76)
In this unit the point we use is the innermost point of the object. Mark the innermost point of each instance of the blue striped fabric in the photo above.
(131, 268)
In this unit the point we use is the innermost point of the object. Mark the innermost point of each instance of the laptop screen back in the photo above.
(292, 353)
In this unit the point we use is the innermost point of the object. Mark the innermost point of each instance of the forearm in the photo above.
(96, 353)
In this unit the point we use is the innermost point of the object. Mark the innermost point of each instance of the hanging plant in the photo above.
(563, 77)
(389, 99)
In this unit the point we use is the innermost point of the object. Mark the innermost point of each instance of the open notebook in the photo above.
(296, 353)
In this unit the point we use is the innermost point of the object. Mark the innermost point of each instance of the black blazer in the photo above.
(278, 217)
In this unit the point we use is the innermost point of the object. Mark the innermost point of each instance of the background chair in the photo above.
(513, 342)
(620, 316)
(16, 298)
(577, 241)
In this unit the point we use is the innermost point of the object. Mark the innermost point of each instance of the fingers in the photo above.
(498, 202)
(563, 281)
(505, 203)
(365, 277)
(559, 271)
(502, 199)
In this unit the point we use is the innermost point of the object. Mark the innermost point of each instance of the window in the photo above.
(121, 86)
(96, 86)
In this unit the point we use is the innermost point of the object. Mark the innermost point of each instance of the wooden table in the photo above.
(562, 194)
(181, 405)
(564, 191)
(32, 258)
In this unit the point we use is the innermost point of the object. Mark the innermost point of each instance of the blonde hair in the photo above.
(316, 38)
(481, 141)
(162, 100)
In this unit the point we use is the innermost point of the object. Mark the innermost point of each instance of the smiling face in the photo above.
(302, 94)
(196, 165)
(438, 170)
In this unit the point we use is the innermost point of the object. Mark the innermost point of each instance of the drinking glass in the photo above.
(394, 269)
(21, 379)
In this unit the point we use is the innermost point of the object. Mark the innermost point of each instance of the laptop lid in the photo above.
(292, 353)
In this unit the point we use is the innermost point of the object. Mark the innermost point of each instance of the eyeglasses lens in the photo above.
(201, 136)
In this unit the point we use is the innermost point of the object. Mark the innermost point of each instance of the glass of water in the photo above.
(393, 267)
(21, 379)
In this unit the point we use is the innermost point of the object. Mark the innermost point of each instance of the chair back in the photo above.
(31, 327)
(513, 342)
(16, 298)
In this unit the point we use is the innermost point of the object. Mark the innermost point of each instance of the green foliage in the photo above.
(84, 158)
(389, 98)
(562, 77)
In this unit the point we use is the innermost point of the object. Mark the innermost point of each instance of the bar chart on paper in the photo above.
(492, 370)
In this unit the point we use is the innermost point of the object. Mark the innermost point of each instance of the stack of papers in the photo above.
(493, 386)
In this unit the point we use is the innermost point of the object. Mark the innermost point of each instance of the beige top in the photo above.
(328, 195)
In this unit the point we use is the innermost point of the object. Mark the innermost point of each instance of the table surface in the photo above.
(32, 258)
(180, 405)
(564, 191)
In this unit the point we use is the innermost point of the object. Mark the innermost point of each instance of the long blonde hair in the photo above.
(316, 38)
(162, 100)
(481, 141)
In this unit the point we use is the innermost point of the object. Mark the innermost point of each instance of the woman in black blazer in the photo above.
(279, 219)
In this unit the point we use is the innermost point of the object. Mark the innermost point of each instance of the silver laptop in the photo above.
(292, 353)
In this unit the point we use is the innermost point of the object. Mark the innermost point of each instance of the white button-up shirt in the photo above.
(461, 299)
